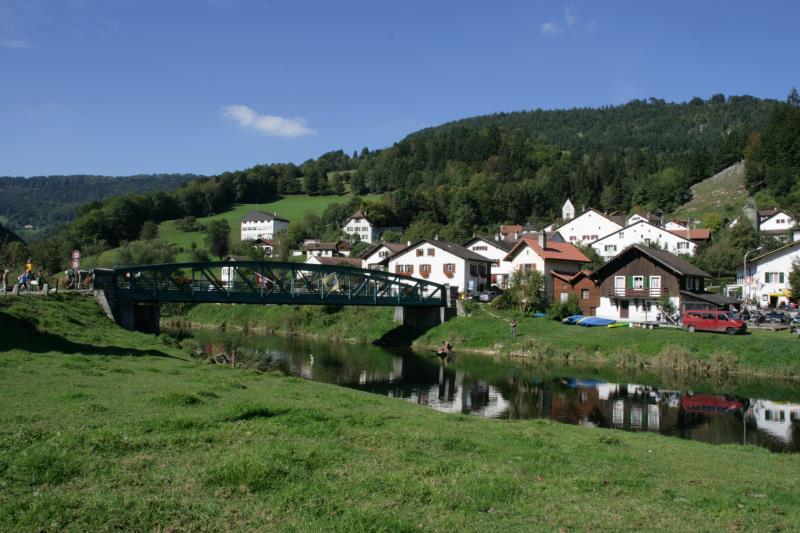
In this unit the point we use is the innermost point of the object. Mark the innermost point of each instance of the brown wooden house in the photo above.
(634, 284)
(579, 285)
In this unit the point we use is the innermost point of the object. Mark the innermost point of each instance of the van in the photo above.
(710, 320)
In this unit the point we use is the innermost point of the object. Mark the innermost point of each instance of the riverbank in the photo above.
(108, 429)
(763, 354)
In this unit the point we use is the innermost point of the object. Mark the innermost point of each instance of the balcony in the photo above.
(641, 294)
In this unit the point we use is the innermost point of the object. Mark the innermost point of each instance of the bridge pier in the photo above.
(132, 315)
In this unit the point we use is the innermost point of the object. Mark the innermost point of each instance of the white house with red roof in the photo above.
(443, 262)
(778, 224)
(545, 256)
(373, 258)
(642, 233)
(587, 227)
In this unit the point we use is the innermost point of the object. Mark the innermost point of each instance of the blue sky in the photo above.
(136, 86)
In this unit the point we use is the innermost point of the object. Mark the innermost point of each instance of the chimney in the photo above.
(543, 239)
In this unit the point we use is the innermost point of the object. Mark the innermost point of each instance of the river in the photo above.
(733, 413)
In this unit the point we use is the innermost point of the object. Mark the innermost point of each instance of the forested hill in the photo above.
(642, 154)
(46, 201)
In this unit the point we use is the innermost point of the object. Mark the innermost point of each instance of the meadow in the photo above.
(107, 429)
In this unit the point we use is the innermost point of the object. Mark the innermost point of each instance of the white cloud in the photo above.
(549, 28)
(14, 43)
(267, 124)
(569, 16)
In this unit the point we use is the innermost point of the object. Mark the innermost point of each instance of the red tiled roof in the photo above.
(697, 234)
(513, 228)
(562, 251)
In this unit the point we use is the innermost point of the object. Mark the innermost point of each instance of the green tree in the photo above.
(794, 280)
(147, 252)
(218, 237)
(525, 292)
(149, 231)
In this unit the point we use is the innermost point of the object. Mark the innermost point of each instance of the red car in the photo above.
(710, 320)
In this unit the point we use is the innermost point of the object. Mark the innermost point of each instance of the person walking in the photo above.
(513, 328)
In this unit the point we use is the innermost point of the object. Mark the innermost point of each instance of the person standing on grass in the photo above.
(513, 328)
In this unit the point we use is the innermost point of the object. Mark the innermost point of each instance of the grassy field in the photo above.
(293, 208)
(105, 429)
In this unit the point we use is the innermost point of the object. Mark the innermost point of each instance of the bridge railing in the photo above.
(272, 282)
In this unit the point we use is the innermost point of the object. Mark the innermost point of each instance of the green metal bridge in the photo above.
(134, 293)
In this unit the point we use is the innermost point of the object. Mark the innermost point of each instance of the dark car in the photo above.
(756, 317)
(778, 317)
(487, 296)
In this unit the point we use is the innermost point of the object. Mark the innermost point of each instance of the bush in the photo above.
(561, 310)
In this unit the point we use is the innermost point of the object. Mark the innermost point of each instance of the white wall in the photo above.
(587, 228)
(760, 287)
(637, 309)
(780, 222)
(501, 269)
(642, 233)
(461, 276)
(372, 262)
(264, 229)
(363, 228)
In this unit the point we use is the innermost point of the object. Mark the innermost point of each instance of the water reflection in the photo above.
(474, 385)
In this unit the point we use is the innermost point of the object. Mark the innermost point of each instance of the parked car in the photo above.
(487, 296)
(753, 316)
(778, 317)
(710, 320)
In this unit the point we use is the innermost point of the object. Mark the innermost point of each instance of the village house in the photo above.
(642, 233)
(372, 258)
(635, 283)
(643, 217)
(496, 252)
(228, 273)
(545, 256)
(261, 225)
(327, 249)
(567, 211)
(580, 286)
(677, 224)
(776, 223)
(358, 225)
(766, 281)
(696, 235)
(443, 262)
(266, 246)
(587, 228)
(333, 261)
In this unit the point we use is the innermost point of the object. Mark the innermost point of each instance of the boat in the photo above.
(572, 319)
(595, 321)
(538, 315)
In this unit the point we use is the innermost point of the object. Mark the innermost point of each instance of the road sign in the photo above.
(76, 264)
(76, 254)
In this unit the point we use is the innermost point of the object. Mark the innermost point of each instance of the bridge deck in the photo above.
(267, 282)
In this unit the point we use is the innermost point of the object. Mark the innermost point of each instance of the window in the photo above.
(683, 246)
(621, 234)
(619, 282)
(527, 267)
(773, 277)
(420, 252)
(425, 269)
(610, 248)
(450, 267)
(647, 242)
(584, 294)
(655, 282)
(384, 253)
(473, 270)
(431, 252)
(573, 238)
(774, 416)
(408, 269)
(482, 248)
(638, 282)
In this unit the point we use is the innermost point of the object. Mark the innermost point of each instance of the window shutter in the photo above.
(646, 282)
(630, 282)
(782, 278)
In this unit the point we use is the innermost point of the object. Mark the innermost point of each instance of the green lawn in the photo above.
(724, 194)
(293, 208)
(105, 429)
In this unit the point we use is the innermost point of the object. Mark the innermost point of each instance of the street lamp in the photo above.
(744, 270)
